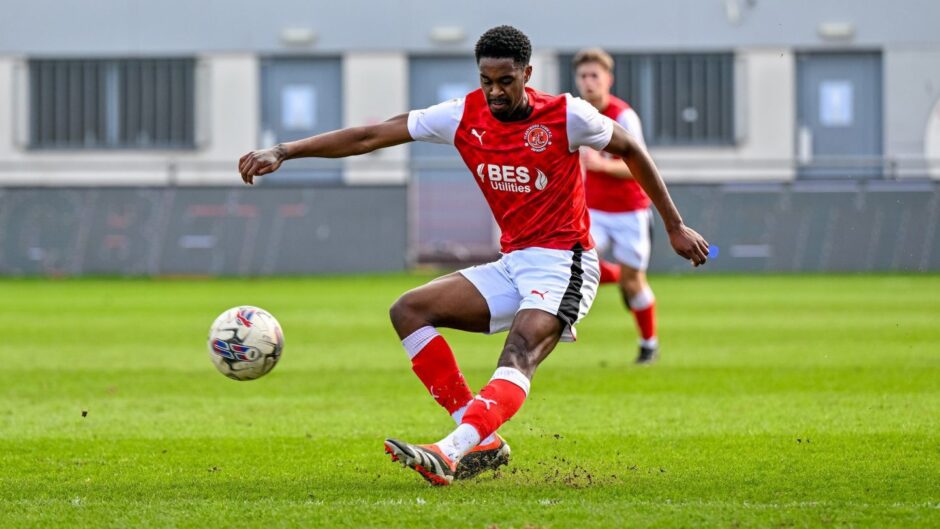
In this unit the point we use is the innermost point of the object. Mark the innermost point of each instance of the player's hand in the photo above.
(689, 244)
(257, 163)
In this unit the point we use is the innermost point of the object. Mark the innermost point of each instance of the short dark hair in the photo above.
(505, 42)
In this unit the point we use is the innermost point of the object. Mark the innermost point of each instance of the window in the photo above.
(682, 98)
(112, 103)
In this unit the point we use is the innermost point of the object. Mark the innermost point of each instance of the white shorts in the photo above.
(560, 282)
(626, 234)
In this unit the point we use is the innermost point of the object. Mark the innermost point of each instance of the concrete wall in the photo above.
(207, 26)
(912, 90)
(363, 75)
(227, 126)
(932, 141)
(230, 36)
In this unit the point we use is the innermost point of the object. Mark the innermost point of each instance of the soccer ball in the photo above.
(245, 343)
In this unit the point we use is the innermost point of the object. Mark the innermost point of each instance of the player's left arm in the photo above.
(686, 241)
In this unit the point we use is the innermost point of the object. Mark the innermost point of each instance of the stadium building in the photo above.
(820, 117)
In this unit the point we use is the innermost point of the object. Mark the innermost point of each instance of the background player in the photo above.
(521, 146)
(620, 209)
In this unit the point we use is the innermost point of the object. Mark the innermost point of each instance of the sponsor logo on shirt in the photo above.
(538, 138)
(515, 179)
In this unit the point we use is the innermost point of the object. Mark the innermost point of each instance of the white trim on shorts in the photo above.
(627, 235)
(560, 282)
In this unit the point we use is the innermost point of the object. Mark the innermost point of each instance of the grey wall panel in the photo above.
(699, 208)
(748, 218)
(815, 221)
(39, 232)
(211, 231)
(805, 227)
(899, 219)
(810, 227)
(180, 26)
(451, 215)
(121, 233)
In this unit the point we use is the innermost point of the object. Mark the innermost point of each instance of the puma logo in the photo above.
(540, 294)
(485, 401)
(479, 135)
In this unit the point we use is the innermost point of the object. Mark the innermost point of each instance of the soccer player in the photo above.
(521, 147)
(620, 210)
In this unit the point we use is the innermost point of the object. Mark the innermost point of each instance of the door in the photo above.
(453, 221)
(839, 124)
(301, 97)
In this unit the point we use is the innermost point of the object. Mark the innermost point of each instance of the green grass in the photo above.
(779, 402)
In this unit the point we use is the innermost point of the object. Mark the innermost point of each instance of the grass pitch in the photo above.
(779, 402)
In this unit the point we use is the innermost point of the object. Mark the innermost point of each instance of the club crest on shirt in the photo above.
(538, 138)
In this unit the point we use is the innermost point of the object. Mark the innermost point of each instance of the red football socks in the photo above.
(434, 363)
(498, 401)
(646, 321)
(643, 306)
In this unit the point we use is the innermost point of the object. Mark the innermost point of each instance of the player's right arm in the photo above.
(685, 241)
(335, 144)
(586, 126)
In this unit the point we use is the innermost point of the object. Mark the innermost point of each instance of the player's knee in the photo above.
(632, 282)
(630, 289)
(406, 309)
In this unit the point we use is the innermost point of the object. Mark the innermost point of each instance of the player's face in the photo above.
(593, 80)
(503, 84)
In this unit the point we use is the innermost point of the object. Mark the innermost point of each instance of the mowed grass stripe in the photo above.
(780, 401)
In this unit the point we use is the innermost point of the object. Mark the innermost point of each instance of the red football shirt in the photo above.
(609, 193)
(529, 171)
